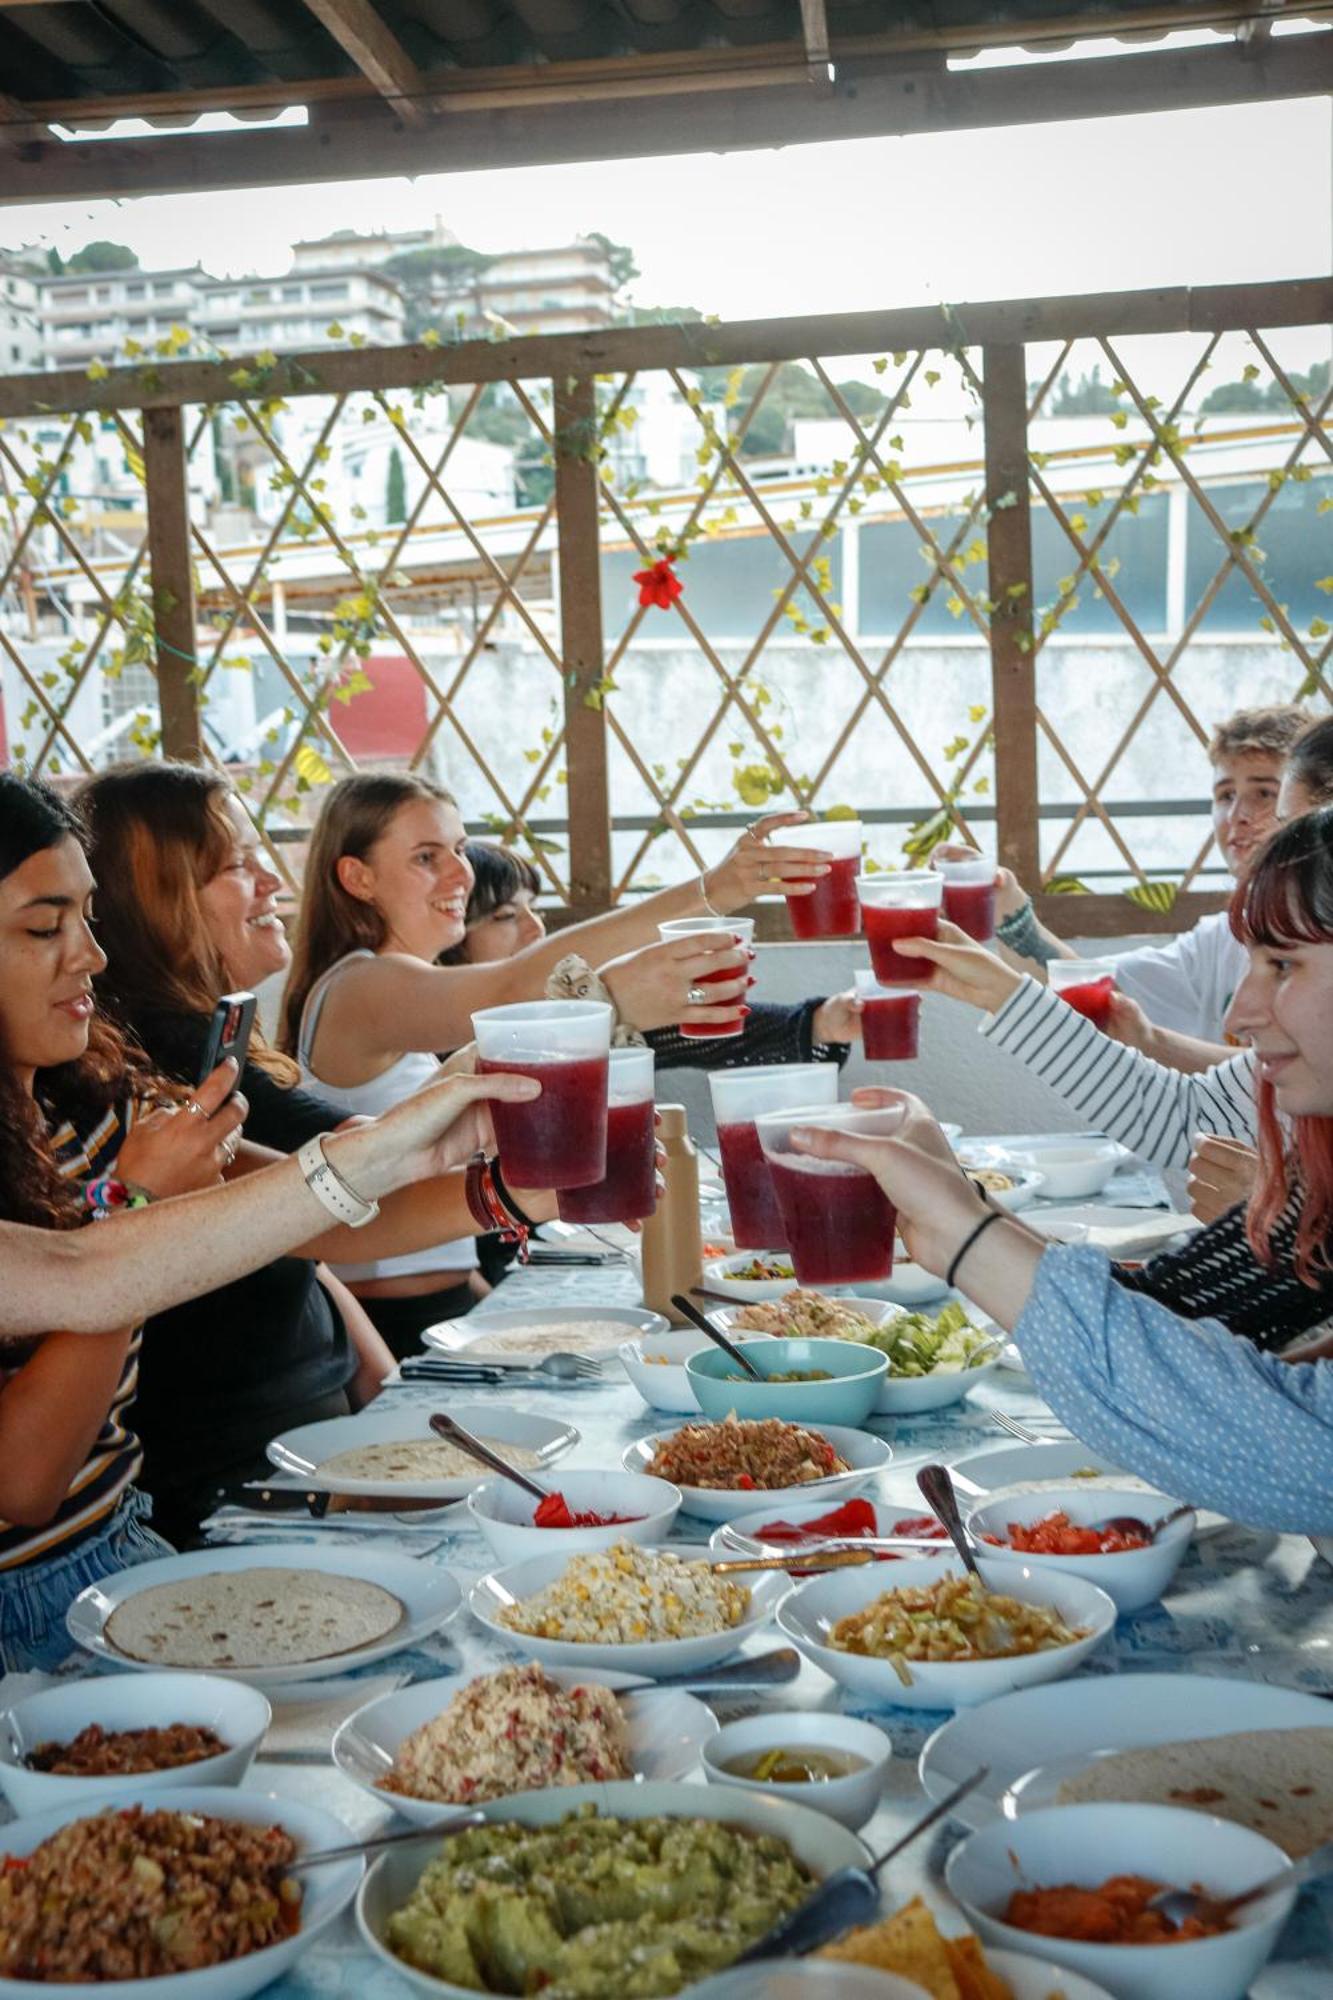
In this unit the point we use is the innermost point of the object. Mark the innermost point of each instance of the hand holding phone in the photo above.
(228, 1033)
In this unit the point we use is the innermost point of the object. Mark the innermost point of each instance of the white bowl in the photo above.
(1087, 1844)
(850, 1800)
(1074, 1168)
(799, 1978)
(491, 1594)
(908, 1284)
(1029, 1978)
(865, 1454)
(237, 1713)
(819, 1843)
(813, 1608)
(1028, 1180)
(899, 1395)
(1132, 1579)
(656, 1365)
(503, 1512)
(328, 1890)
(742, 1536)
(668, 1729)
(720, 1276)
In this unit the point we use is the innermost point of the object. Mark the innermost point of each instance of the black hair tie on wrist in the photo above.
(991, 1215)
(501, 1188)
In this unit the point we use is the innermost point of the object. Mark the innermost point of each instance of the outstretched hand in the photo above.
(180, 1148)
(963, 970)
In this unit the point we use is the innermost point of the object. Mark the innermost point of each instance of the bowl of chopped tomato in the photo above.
(1087, 1533)
(1072, 1884)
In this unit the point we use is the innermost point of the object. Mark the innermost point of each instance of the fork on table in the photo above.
(562, 1367)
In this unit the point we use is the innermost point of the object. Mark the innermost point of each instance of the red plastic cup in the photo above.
(831, 909)
(742, 930)
(839, 1222)
(739, 1096)
(890, 1021)
(969, 896)
(1085, 984)
(896, 906)
(628, 1190)
(557, 1140)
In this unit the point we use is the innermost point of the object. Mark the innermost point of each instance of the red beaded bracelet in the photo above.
(488, 1210)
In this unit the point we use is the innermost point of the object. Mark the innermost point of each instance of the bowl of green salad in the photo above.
(935, 1355)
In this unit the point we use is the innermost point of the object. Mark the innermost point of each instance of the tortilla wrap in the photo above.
(252, 1618)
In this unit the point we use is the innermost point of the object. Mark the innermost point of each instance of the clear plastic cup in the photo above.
(628, 1191)
(890, 1020)
(969, 896)
(839, 1222)
(1086, 984)
(739, 1096)
(558, 1140)
(831, 909)
(742, 929)
(900, 905)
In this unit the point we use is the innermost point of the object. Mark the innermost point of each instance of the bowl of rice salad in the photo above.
(727, 1469)
(643, 1610)
(92, 1898)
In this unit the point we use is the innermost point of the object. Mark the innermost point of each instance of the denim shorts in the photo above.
(34, 1597)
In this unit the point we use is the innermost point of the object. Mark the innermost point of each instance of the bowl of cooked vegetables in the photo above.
(934, 1358)
(1100, 1533)
(749, 1275)
(926, 1635)
(813, 1381)
(835, 1763)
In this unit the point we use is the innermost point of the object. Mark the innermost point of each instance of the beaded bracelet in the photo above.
(107, 1196)
(488, 1209)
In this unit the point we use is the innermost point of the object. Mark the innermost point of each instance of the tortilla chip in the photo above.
(907, 1943)
(974, 1977)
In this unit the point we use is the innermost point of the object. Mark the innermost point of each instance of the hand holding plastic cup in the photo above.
(1086, 984)
(839, 1222)
(831, 909)
(901, 904)
(628, 1190)
(557, 1140)
(741, 929)
(969, 895)
(739, 1096)
(890, 1020)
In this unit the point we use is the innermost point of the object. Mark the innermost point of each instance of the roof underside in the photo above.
(371, 73)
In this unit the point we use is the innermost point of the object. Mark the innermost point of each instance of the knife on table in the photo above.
(274, 1500)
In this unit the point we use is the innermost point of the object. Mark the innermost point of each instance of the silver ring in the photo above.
(229, 1148)
(697, 997)
(195, 1109)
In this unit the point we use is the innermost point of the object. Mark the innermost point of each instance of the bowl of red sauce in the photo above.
(1086, 1531)
(582, 1510)
(803, 1526)
(1070, 1885)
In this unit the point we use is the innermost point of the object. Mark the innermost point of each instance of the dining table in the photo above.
(1244, 1606)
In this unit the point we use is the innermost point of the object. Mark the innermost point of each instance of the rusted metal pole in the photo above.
(582, 644)
(1013, 665)
(172, 576)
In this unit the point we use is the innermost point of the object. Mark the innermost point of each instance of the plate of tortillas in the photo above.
(283, 1612)
(1261, 1756)
(386, 1454)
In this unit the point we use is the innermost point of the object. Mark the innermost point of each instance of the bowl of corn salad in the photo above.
(642, 1610)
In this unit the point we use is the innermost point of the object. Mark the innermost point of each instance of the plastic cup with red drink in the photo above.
(831, 909)
(839, 1223)
(557, 1140)
(1085, 984)
(895, 905)
(741, 929)
(739, 1096)
(969, 896)
(628, 1190)
(890, 1020)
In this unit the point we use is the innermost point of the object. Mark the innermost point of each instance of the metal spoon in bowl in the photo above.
(718, 1338)
(1130, 1524)
(455, 1433)
(1176, 1905)
(936, 1488)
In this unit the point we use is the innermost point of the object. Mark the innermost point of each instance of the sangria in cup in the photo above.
(900, 905)
(742, 930)
(1086, 983)
(557, 1140)
(629, 1190)
(890, 1020)
(739, 1095)
(839, 1222)
(969, 896)
(831, 909)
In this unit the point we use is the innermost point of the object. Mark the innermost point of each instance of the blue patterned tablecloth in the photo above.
(1244, 1605)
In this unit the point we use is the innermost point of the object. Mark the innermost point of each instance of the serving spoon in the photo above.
(1179, 1904)
(718, 1338)
(936, 1489)
(455, 1433)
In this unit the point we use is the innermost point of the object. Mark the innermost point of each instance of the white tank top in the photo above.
(400, 1080)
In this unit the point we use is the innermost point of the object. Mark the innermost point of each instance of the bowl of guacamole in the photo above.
(620, 1891)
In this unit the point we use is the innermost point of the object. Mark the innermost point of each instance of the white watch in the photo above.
(328, 1186)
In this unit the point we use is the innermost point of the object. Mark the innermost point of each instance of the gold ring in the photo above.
(195, 1109)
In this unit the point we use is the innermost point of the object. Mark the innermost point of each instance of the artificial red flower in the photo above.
(659, 585)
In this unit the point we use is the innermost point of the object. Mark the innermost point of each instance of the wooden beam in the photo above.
(362, 34)
(1009, 586)
(610, 350)
(814, 27)
(582, 642)
(1114, 916)
(172, 572)
(872, 97)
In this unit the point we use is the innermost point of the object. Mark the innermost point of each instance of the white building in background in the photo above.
(358, 473)
(350, 249)
(248, 315)
(89, 315)
(20, 315)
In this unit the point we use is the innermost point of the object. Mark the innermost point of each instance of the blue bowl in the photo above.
(848, 1397)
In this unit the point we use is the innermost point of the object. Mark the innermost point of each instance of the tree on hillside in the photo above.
(1250, 394)
(1088, 397)
(437, 283)
(619, 257)
(395, 488)
(103, 256)
(793, 392)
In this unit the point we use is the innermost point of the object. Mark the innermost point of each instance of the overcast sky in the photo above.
(1198, 197)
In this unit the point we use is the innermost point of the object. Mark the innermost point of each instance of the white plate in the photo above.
(820, 1843)
(304, 1450)
(904, 1395)
(1031, 1978)
(428, 1594)
(475, 1334)
(865, 1454)
(908, 1284)
(1028, 1180)
(1121, 1232)
(663, 1383)
(491, 1594)
(328, 1891)
(1040, 1464)
(720, 1276)
(1048, 1734)
(667, 1732)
